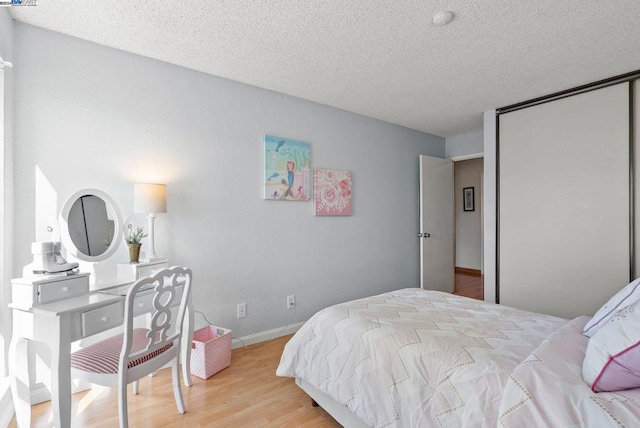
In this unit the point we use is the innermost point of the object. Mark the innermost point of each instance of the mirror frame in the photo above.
(64, 226)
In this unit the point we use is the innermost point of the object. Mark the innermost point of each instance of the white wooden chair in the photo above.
(138, 352)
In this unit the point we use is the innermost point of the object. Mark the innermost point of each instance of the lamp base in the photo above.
(152, 247)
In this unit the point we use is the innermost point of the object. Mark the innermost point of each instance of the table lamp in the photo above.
(150, 199)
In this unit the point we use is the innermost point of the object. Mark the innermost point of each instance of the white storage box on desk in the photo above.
(134, 271)
(211, 351)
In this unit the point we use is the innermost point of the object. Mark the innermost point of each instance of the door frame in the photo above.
(491, 144)
(481, 196)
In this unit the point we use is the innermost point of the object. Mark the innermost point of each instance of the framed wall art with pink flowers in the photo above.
(332, 191)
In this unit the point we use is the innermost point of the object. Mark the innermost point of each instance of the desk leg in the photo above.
(20, 379)
(187, 339)
(61, 372)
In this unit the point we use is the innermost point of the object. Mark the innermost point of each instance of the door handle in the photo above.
(424, 235)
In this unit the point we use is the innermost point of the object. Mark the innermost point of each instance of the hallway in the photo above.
(469, 284)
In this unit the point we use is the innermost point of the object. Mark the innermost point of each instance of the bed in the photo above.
(419, 358)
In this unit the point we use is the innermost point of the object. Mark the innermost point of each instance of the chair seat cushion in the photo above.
(103, 357)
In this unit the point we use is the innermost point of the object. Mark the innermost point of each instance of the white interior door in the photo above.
(436, 224)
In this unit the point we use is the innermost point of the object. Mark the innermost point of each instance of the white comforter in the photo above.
(416, 358)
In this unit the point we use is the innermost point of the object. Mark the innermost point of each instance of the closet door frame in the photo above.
(630, 78)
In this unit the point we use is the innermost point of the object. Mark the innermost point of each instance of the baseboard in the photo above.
(6, 402)
(467, 271)
(265, 335)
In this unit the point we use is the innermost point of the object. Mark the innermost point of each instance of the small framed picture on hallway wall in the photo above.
(468, 199)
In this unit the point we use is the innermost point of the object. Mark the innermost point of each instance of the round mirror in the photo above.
(90, 225)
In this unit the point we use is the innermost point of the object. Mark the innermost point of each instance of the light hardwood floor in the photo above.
(247, 394)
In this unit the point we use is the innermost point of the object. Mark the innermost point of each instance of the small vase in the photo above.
(134, 253)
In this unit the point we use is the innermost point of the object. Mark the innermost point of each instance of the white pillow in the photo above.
(612, 360)
(623, 298)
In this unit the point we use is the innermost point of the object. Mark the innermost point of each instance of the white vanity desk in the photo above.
(57, 324)
(56, 311)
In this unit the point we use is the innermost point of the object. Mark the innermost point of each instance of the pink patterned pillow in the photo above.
(612, 360)
(623, 298)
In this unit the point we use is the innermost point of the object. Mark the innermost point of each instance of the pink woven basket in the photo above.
(210, 351)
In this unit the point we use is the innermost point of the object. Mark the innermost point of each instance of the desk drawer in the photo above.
(36, 290)
(102, 319)
(59, 290)
(148, 270)
(143, 303)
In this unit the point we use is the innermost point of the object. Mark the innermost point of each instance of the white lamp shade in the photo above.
(150, 198)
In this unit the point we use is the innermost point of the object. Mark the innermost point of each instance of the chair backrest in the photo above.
(163, 296)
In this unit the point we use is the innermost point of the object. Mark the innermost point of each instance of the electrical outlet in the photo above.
(291, 301)
(242, 310)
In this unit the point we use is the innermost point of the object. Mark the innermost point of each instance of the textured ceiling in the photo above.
(379, 58)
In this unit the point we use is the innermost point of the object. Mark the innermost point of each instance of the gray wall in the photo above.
(91, 116)
(464, 145)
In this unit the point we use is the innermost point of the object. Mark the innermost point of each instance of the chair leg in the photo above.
(177, 391)
(136, 387)
(122, 402)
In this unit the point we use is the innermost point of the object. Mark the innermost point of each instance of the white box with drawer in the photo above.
(30, 291)
(128, 272)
